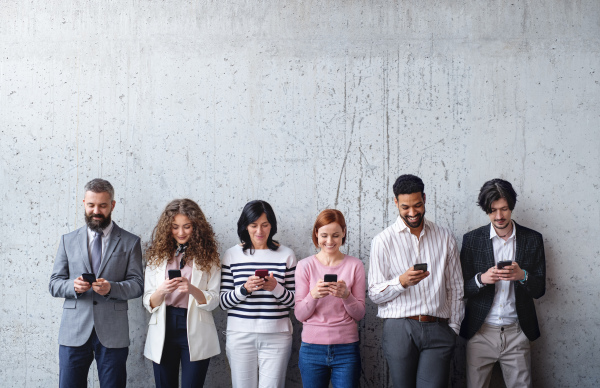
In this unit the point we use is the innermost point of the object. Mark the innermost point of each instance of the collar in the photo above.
(494, 234)
(400, 226)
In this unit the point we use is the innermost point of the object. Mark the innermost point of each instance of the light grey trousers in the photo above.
(418, 353)
(506, 344)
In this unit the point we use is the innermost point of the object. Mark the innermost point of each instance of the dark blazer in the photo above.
(477, 255)
(121, 265)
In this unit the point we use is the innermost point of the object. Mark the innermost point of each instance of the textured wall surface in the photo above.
(308, 105)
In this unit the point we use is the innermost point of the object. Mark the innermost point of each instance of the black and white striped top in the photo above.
(262, 311)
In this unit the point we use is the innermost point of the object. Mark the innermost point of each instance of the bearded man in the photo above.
(97, 269)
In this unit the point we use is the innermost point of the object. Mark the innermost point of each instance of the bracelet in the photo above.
(524, 278)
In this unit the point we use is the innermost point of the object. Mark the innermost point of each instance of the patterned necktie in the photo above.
(97, 252)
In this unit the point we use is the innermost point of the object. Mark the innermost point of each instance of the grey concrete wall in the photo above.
(308, 105)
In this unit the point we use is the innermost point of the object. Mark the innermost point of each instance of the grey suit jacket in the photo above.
(121, 265)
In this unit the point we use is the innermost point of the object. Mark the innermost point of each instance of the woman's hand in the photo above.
(339, 289)
(321, 290)
(270, 283)
(168, 286)
(165, 288)
(185, 287)
(254, 283)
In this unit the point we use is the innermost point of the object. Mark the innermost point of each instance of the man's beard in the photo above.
(416, 224)
(97, 225)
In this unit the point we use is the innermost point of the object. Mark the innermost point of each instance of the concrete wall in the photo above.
(308, 105)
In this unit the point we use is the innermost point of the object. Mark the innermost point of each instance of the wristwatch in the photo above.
(480, 281)
(244, 291)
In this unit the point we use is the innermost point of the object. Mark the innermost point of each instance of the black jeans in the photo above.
(176, 350)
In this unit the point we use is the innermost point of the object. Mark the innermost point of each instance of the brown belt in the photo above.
(428, 318)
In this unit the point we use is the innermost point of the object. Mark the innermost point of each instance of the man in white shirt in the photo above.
(504, 269)
(422, 308)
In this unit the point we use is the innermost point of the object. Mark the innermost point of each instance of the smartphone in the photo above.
(330, 278)
(504, 263)
(174, 273)
(89, 277)
(261, 273)
(420, 267)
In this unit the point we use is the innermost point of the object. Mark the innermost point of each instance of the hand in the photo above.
(339, 289)
(412, 277)
(101, 286)
(168, 286)
(490, 276)
(185, 287)
(321, 290)
(254, 283)
(270, 283)
(81, 285)
(511, 273)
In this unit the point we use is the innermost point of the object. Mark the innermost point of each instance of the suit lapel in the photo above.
(83, 247)
(115, 237)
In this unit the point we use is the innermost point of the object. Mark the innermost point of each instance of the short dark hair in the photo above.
(493, 190)
(408, 184)
(326, 217)
(100, 186)
(252, 212)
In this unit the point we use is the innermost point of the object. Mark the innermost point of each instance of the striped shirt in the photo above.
(262, 311)
(394, 251)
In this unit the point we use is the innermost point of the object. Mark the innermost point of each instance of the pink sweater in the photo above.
(330, 320)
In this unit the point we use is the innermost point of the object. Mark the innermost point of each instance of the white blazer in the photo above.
(202, 333)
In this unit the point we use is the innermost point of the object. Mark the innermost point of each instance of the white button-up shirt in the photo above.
(503, 311)
(394, 251)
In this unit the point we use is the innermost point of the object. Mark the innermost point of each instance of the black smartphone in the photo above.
(503, 263)
(330, 278)
(89, 277)
(420, 267)
(174, 273)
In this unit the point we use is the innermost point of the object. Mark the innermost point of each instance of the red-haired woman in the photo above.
(330, 310)
(181, 328)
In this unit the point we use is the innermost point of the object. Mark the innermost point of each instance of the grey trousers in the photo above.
(418, 353)
(509, 346)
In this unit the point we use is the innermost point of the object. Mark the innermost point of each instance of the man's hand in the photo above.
(412, 277)
(81, 285)
(270, 283)
(101, 286)
(511, 273)
(339, 289)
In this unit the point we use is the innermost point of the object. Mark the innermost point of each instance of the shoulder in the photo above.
(527, 232)
(478, 232)
(233, 254)
(306, 264)
(441, 231)
(286, 253)
(385, 235)
(125, 235)
(355, 261)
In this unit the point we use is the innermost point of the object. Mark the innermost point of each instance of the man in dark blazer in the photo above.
(504, 269)
(94, 321)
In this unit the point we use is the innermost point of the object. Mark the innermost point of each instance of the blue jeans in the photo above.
(74, 364)
(338, 363)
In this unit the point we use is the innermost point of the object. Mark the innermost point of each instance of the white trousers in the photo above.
(258, 359)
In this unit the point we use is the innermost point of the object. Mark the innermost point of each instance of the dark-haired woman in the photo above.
(329, 310)
(259, 331)
(181, 328)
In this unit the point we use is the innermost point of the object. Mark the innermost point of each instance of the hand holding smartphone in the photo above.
(420, 267)
(503, 263)
(261, 273)
(330, 278)
(174, 273)
(89, 277)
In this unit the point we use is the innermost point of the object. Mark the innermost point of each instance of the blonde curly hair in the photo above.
(203, 247)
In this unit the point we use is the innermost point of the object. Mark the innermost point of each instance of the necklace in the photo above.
(506, 233)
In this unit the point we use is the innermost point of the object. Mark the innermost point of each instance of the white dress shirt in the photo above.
(394, 251)
(504, 310)
(92, 235)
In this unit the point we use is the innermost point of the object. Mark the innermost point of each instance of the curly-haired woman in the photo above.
(181, 328)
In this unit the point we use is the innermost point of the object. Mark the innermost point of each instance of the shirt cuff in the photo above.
(454, 327)
(477, 282)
